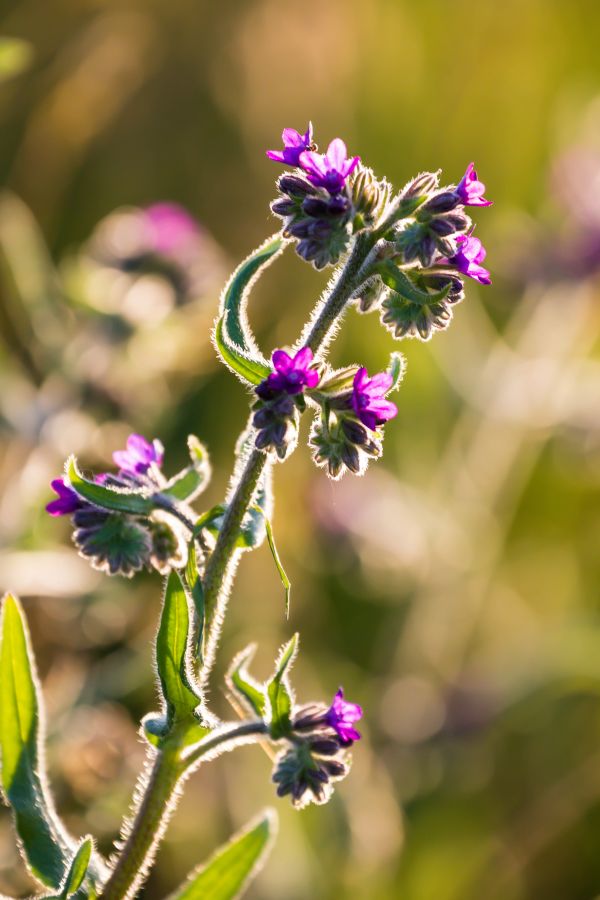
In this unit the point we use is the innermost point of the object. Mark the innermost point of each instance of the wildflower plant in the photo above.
(401, 254)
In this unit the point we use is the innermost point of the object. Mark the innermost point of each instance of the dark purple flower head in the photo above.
(368, 398)
(170, 227)
(67, 502)
(292, 373)
(341, 716)
(139, 455)
(470, 190)
(329, 170)
(294, 144)
(470, 252)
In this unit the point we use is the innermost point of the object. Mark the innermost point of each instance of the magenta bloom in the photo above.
(294, 144)
(139, 455)
(292, 374)
(470, 253)
(368, 398)
(470, 190)
(331, 169)
(170, 227)
(67, 502)
(341, 716)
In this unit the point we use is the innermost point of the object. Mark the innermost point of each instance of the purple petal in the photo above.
(337, 154)
(282, 361)
(276, 155)
(303, 358)
(314, 163)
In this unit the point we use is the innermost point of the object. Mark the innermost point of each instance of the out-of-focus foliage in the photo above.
(454, 589)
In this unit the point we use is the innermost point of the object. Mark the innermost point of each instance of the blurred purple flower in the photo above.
(470, 190)
(368, 398)
(470, 253)
(139, 455)
(292, 373)
(341, 716)
(67, 502)
(170, 227)
(294, 144)
(331, 169)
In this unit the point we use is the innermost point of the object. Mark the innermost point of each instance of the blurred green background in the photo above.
(453, 591)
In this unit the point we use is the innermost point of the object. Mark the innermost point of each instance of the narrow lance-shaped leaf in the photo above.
(78, 868)
(241, 684)
(279, 692)
(396, 370)
(233, 336)
(287, 585)
(107, 498)
(234, 865)
(192, 480)
(399, 281)
(196, 590)
(45, 842)
(171, 653)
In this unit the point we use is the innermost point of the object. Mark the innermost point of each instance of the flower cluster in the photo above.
(317, 758)
(322, 202)
(280, 399)
(349, 430)
(117, 542)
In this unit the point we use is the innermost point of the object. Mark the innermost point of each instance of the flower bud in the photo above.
(295, 186)
(442, 202)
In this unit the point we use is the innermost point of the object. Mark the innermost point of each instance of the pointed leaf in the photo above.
(79, 867)
(105, 497)
(194, 584)
(44, 841)
(233, 337)
(192, 480)
(279, 692)
(226, 875)
(287, 585)
(396, 370)
(241, 684)
(400, 282)
(172, 651)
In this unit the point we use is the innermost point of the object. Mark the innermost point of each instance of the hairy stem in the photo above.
(222, 560)
(157, 805)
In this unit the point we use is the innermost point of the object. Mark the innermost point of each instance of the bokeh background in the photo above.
(454, 589)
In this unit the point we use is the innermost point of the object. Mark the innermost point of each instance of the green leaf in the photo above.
(44, 841)
(79, 867)
(279, 692)
(196, 590)
(233, 337)
(227, 874)
(172, 651)
(240, 683)
(15, 56)
(192, 480)
(396, 370)
(287, 585)
(247, 368)
(104, 497)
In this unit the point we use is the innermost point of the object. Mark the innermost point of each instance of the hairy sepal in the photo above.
(242, 686)
(125, 501)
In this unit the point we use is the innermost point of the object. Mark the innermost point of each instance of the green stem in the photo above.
(221, 563)
(156, 806)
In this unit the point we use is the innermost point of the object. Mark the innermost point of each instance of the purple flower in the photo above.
(67, 502)
(294, 144)
(331, 169)
(170, 227)
(470, 252)
(341, 716)
(139, 455)
(470, 190)
(368, 398)
(292, 374)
